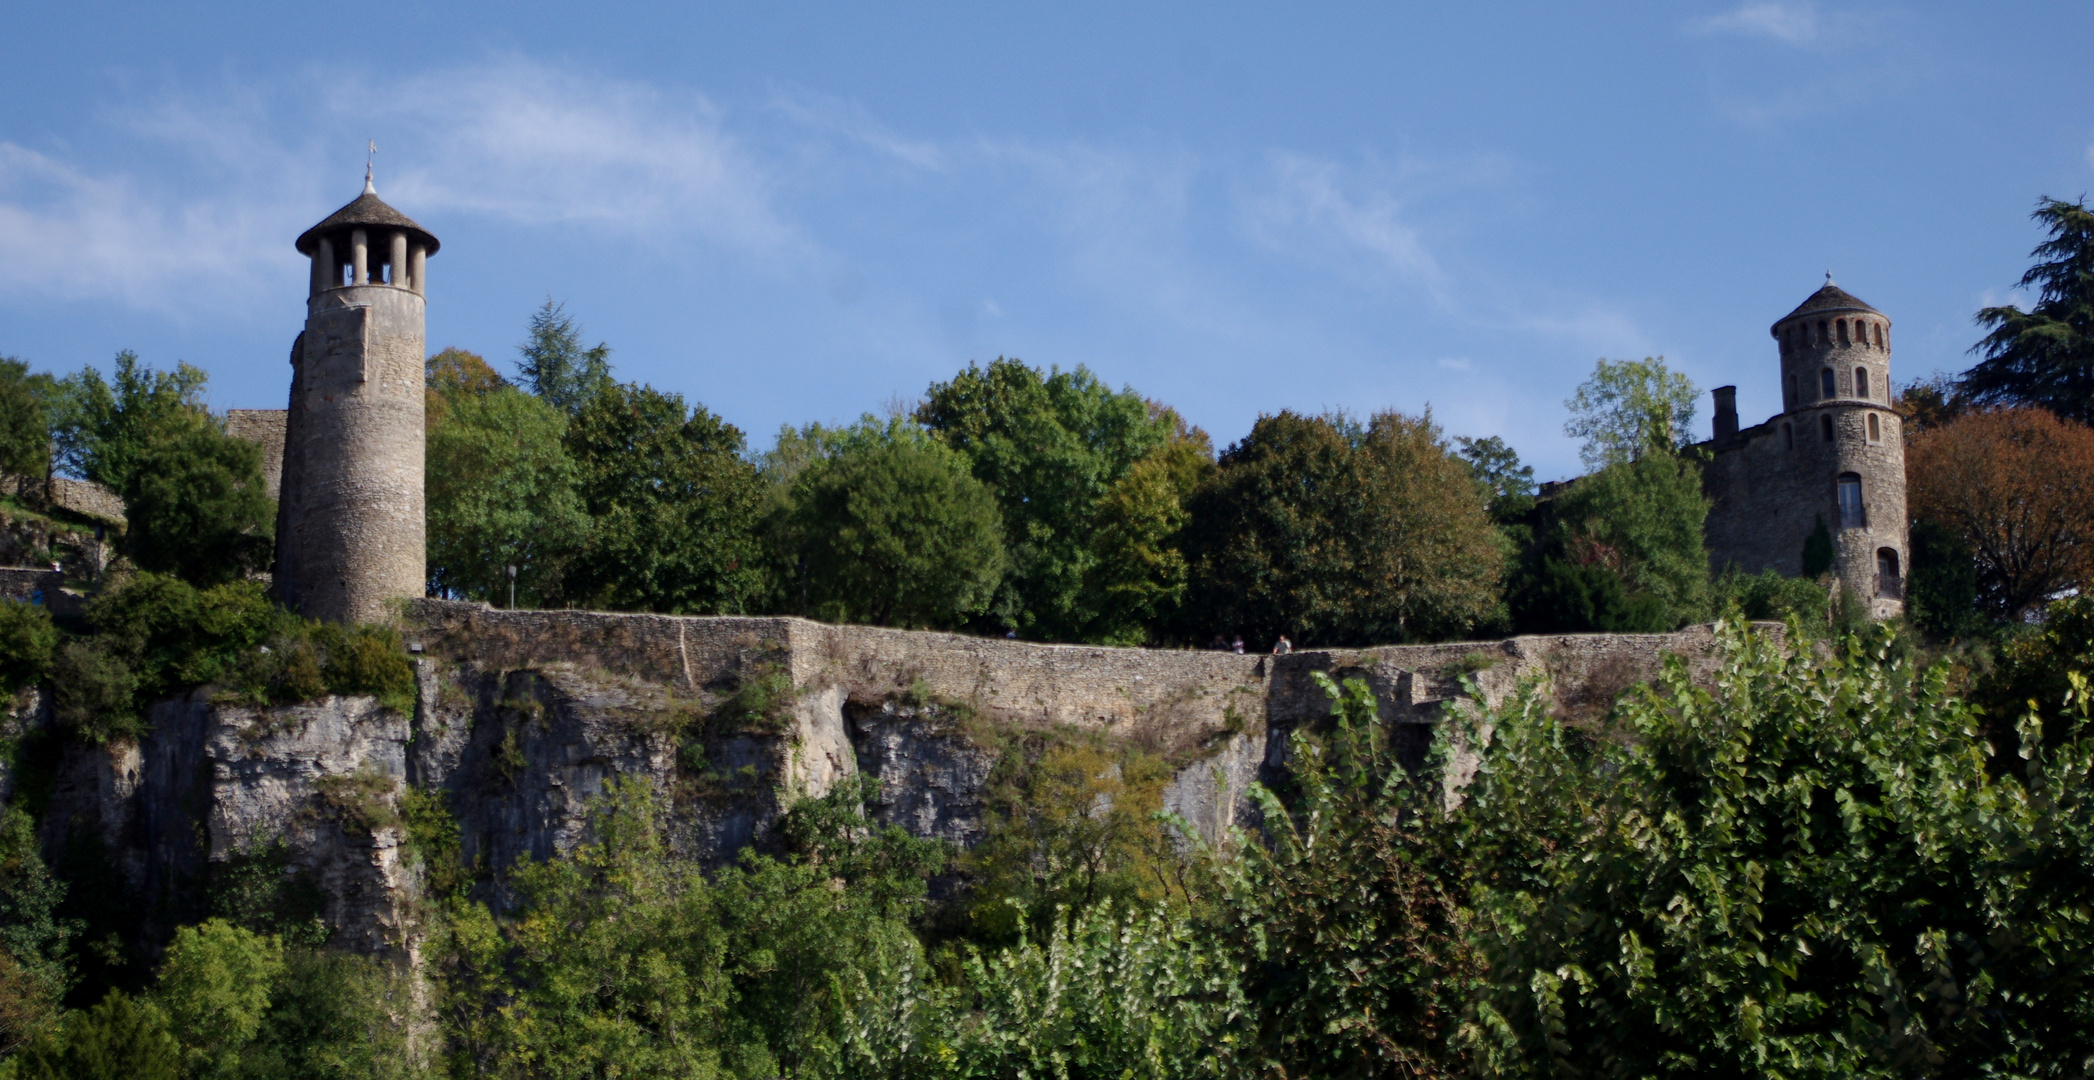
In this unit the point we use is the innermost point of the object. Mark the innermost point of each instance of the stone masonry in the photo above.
(1835, 453)
(350, 529)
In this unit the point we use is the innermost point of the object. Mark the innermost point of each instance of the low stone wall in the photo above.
(83, 497)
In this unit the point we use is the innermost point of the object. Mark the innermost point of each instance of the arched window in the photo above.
(1861, 382)
(1824, 332)
(1882, 337)
(1852, 515)
(1788, 437)
(1825, 426)
(1875, 429)
(1889, 584)
(1826, 388)
(1792, 391)
(1844, 340)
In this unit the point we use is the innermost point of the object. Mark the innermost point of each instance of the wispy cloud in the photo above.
(1310, 205)
(833, 116)
(1790, 24)
(514, 140)
(68, 233)
(532, 144)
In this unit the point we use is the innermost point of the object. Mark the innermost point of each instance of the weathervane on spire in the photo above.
(371, 151)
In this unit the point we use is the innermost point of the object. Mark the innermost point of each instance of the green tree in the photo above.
(501, 492)
(673, 506)
(27, 642)
(120, 1039)
(1508, 484)
(1628, 408)
(36, 968)
(25, 426)
(1331, 533)
(1140, 576)
(2045, 356)
(1941, 592)
(1069, 824)
(1349, 925)
(556, 367)
(1802, 865)
(214, 987)
(1818, 551)
(887, 526)
(103, 432)
(1643, 521)
(333, 1014)
(196, 504)
(1050, 446)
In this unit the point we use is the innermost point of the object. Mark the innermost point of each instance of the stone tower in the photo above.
(1835, 453)
(349, 526)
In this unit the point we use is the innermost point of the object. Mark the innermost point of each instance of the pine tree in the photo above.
(2045, 356)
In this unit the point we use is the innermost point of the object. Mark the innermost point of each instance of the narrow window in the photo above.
(1788, 437)
(1825, 425)
(1889, 584)
(1843, 331)
(1825, 384)
(1879, 335)
(1851, 514)
(1875, 429)
(1792, 391)
(1824, 332)
(1861, 382)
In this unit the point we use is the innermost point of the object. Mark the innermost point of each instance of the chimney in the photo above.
(1726, 413)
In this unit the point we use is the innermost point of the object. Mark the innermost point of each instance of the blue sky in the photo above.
(798, 212)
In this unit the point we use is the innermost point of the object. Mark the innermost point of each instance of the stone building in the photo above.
(1835, 454)
(349, 527)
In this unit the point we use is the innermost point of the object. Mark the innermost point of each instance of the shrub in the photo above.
(27, 642)
(121, 1039)
(96, 693)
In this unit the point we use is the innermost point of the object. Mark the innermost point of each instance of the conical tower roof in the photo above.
(1829, 298)
(365, 210)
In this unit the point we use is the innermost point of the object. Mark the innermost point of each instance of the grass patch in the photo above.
(364, 799)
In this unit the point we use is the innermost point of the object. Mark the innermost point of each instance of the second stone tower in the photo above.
(350, 529)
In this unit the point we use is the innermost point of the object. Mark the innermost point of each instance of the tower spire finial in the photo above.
(1828, 277)
(372, 152)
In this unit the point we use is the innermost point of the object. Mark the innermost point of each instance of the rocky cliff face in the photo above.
(522, 717)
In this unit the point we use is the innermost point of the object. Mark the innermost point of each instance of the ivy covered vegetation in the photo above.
(1827, 862)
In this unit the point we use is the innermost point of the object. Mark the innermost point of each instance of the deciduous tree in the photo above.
(501, 492)
(886, 525)
(1332, 533)
(2016, 489)
(1050, 445)
(672, 505)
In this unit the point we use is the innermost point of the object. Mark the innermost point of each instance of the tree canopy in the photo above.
(1332, 533)
(556, 366)
(501, 493)
(1050, 445)
(2015, 487)
(2045, 356)
(673, 506)
(887, 525)
(1628, 408)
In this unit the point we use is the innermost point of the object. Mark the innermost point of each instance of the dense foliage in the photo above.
(1333, 533)
(1051, 446)
(2044, 357)
(500, 487)
(2014, 488)
(673, 506)
(883, 524)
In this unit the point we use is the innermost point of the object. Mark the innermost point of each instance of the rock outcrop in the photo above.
(521, 718)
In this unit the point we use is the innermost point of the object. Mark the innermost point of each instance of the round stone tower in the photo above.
(1842, 447)
(350, 527)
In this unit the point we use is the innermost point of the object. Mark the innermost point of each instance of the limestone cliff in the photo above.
(521, 717)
